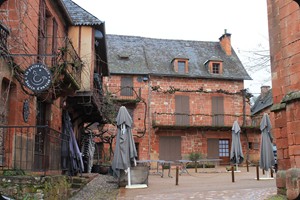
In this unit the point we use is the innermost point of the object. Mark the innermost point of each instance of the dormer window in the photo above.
(216, 68)
(123, 56)
(180, 65)
(214, 65)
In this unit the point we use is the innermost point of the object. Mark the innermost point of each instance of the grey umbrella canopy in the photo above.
(236, 152)
(125, 150)
(266, 148)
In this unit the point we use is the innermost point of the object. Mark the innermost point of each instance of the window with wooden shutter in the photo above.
(170, 148)
(212, 148)
(182, 110)
(42, 31)
(126, 86)
(54, 41)
(217, 111)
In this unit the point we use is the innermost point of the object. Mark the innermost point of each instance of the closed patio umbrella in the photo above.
(236, 152)
(125, 150)
(266, 148)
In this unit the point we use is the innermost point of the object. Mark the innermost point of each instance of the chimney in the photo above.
(226, 42)
(264, 90)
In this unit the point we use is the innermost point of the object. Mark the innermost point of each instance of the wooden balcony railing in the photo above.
(202, 120)
(124, 93)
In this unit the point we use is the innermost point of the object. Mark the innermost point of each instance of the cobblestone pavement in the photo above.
(245, 194)
(207, 184)
(102, 187)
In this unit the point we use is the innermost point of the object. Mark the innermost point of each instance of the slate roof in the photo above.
(154, 56)
(79, 16)
(262, 102)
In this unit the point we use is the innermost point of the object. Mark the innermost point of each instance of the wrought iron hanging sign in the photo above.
(26, 110)
(37, 77)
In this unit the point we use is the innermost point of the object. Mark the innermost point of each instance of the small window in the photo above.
(253, 145)
(223, 148)
(180, 65)
(216, 68)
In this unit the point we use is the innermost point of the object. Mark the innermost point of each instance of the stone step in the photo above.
(77, 185)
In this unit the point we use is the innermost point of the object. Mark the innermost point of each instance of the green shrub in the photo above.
(13, 172)
(194, 156)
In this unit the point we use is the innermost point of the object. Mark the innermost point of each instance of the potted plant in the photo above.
(105, 165)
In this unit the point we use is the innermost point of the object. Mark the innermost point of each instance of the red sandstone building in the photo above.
(183, 96)
(284, 37)
(64, 41)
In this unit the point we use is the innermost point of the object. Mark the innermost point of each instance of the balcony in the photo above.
(124, 94)
(66, 70)
(35, 149)
(89, 104)
(202, 121)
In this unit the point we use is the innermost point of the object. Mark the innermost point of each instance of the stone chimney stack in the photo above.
(264, 90)
(226, 42)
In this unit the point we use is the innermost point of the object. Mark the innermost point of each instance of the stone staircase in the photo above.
(78, 182)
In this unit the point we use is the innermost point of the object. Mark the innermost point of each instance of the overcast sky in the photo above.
(191, 20)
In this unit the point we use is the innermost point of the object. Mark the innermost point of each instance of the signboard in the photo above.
(37, 77)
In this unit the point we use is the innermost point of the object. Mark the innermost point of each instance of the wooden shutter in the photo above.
(42, 31)
(182, 109)
(170, 148)
(54, 41)
(217, 111)
(212, 148)
(126, 86)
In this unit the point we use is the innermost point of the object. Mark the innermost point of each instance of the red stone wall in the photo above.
(21, 19)
(284, 19)
(193, 140)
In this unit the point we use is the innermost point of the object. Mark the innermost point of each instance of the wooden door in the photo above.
(224, 151)
(40, 148)
(219, 148)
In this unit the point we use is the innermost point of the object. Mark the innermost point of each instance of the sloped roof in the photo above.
(154, 56)
(79, 16)
(262, 102)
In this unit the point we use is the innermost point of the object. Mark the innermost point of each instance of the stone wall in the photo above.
(283, 16)
(31, 187)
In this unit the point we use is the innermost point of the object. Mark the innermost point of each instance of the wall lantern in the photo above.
(98, 34)
(26, 110)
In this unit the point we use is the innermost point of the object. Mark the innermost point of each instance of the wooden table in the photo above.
(164, 163)
(213, 160)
